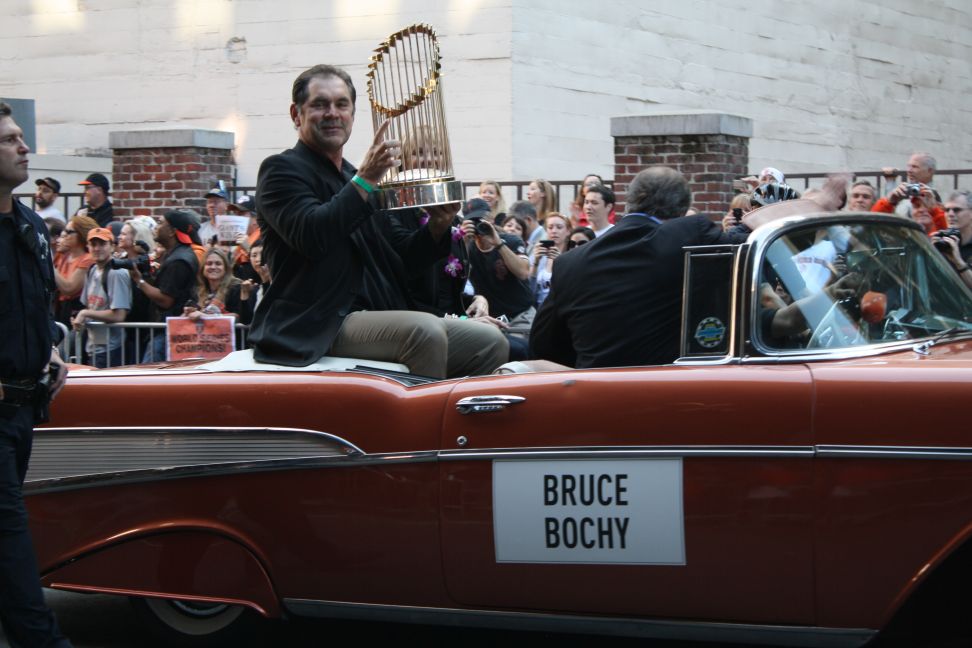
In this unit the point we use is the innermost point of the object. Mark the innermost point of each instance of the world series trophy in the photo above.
(405, 88)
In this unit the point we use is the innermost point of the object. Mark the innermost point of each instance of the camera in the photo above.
(141, 262)
(546, 243)
(483, 228)
(943, 246)
(737, 213)
(914, 190)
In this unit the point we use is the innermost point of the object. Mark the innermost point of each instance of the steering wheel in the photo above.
(831, 332)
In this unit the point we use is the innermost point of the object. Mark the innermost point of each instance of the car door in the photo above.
(679, 492)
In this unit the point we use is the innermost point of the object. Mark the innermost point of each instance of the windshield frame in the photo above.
(756, 350)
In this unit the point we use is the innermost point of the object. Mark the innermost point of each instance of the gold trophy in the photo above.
(405, 88)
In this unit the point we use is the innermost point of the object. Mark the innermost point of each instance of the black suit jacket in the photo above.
(328, 252)
(617, 301)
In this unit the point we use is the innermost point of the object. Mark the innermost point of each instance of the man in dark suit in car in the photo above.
(618, 301)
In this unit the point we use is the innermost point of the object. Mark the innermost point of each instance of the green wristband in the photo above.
(361, 182)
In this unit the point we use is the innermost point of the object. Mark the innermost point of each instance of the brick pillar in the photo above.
(710, 149)
(155, 171)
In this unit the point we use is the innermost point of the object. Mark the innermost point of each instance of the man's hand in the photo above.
(927, 197)
(468, 230)
(77, 322)
(441, 218)
(382, 156)
(845, 287)
(246, 289)
(243, 242)
(900, 193)
(833, 193)
(60, 378)
(492, 239)
(478, 308)
(953, 255)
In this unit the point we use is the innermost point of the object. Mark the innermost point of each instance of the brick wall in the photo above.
(709, 162)
(150, 182)
(155, 171)
(709, 149)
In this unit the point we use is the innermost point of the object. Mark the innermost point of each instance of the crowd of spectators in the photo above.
(141, 270)
(498, 271)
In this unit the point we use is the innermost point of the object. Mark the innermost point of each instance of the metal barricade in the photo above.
(144, 336)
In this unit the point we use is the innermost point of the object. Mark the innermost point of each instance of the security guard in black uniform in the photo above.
(31, 373)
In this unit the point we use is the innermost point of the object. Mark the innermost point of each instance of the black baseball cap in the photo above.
(185, 224)
(54, 185)
(475, 207)
(97, 180)
(245, 203)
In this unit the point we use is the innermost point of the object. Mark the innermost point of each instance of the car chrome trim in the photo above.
(633, 452)
(894, 452)
(111, 456)
(487, 403)
(94, 480)
(88, 454)
(600, 625)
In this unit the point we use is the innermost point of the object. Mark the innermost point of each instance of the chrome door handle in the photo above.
(472, 404)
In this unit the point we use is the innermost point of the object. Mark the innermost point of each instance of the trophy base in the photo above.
(406, 196)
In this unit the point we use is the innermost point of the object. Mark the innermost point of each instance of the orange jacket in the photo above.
(884, 206)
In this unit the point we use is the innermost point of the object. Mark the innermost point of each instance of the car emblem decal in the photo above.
(710, 332)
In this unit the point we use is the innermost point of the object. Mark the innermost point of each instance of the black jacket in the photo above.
(103, 215)
(618, 300)
(329, 253)
(27, 328)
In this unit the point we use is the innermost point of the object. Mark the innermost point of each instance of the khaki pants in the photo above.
(428, 345)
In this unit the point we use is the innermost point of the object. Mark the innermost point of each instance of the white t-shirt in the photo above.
(603, 231)
(51, 212)
(541, 286)
(119, 296)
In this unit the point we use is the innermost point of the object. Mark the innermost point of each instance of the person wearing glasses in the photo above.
(71, 263)
(959, 215)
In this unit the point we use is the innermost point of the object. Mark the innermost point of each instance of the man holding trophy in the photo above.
(339, 284)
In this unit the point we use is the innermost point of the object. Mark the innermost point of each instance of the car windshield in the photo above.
(851, 285)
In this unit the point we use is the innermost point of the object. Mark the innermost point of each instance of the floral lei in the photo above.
(453, 266)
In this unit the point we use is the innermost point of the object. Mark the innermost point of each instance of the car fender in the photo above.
(189, 564)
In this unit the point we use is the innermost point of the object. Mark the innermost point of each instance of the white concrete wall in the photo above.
(831, 84)
(530, 86)
(105, 65)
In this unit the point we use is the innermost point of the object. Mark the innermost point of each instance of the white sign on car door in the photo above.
(621, 511)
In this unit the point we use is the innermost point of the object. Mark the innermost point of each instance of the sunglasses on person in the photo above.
(571, 244)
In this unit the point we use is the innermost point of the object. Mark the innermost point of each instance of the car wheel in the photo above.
(176, 622)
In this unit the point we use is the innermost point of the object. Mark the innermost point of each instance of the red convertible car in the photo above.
(800, 476)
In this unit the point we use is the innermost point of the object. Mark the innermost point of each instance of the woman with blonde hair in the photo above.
(545, 252)
(222, 293)
(542, 196)
(742, 202)
(491, 192)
